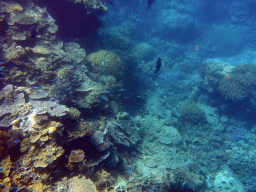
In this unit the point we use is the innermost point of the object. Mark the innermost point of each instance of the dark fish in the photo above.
(150, 2)
(33, 33)
(17, 141)
(158, 65)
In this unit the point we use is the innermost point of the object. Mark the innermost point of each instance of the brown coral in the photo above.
(74, 113)
(76, 156)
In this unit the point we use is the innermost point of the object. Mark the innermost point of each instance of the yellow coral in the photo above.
(37, 187)
(52, 130)
(25, 145)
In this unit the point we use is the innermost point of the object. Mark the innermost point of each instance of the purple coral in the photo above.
(98, 140)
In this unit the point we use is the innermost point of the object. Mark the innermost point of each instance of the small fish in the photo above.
(158, 65)
(1, 169)
(35, 87)
(150, 2)
(1, 69)
(104, 97)
(106, 92)
(17, 141)
(3, 62)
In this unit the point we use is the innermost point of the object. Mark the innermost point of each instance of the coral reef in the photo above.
(99, 140)
(22, 19)
(5, 165)
(123, 133)
(15, 108)
(143, 51)
(234, 83)
(73, 53)
(74, 113)
(76, 184)
(106, 62)
(92, 93)
(240, 83)
(82, 129)
(76, 156)
(92, 5)
(42, 157)
(191, 113)
(211, 73)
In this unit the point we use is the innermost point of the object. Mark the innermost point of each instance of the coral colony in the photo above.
(127, 96)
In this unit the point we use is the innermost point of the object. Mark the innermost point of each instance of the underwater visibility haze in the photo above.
(127, 96)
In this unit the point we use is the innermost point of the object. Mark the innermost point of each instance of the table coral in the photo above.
(16, 107)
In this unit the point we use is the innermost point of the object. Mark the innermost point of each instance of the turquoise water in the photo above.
(80, 98)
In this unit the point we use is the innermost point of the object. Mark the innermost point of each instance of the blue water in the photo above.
(189, 127)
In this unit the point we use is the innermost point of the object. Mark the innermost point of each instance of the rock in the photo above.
(224, 180)
(169, 135)
(52, 130)
(143, 51)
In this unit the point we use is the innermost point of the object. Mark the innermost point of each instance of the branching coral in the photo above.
(240, 83)
(92, 5)
(235, 83)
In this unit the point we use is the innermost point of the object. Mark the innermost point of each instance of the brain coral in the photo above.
(76, 156)
(107, 62)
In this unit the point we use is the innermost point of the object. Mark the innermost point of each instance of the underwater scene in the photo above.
(127, 96)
